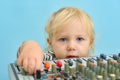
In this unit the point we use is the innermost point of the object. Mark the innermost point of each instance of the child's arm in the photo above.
(30, 56)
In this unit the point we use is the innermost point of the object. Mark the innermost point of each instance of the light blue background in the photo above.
(22, 20)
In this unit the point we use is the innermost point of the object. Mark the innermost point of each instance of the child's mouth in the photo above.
(72, 56)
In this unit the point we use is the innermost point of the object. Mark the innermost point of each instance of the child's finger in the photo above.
(38, 64)
(25, 64)
(31, 66)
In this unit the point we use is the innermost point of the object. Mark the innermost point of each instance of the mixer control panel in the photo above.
(85, 68)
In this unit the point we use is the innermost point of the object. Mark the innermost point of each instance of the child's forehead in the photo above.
(76, 25)
(63, 24)
(71, 32)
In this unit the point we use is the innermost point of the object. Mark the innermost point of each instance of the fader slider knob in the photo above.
(115, 57)
(70, 62)
(79, 60)
(66, 67)
(47, 65)
(103, 56)
(99, 77)
(119, 54)
(59, 63)
(54, 68)
(112, 76)
(38, 74)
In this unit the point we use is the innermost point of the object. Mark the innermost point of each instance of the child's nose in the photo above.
(71, 46)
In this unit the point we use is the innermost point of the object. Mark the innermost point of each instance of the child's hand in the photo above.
(30, 56)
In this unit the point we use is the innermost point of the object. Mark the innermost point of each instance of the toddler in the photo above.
(70, 34)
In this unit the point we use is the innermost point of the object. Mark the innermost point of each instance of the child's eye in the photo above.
(63, 39)
(80, 38)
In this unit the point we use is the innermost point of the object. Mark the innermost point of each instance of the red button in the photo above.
(59, 63)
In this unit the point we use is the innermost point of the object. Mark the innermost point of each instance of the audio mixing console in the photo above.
(86, 68)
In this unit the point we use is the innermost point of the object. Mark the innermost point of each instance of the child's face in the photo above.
(70, 41)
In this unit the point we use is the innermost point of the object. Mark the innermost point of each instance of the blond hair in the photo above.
(70, 14)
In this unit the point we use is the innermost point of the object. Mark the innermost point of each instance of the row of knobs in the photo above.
(101, 69)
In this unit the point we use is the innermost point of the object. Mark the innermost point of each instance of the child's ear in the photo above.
(49, 41)
(91, 44)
